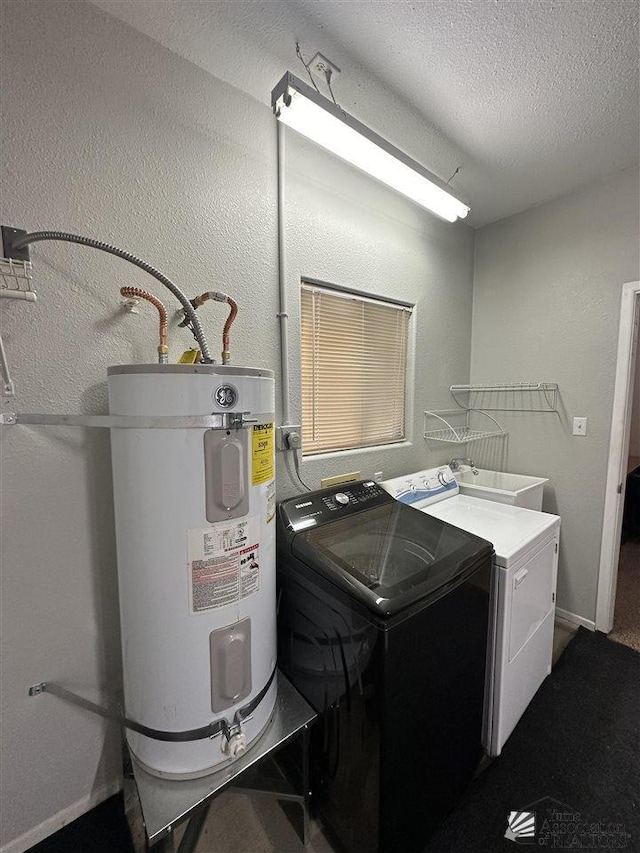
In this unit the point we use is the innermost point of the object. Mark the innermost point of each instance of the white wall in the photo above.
(109, 134)
(364, 237)
(547, 292)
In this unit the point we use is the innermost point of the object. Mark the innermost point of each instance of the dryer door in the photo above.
(531, 595)
(524, 644)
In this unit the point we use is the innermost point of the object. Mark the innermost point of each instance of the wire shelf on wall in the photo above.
(15, 283)
(463, 433)
(16, 280)
(507, 396)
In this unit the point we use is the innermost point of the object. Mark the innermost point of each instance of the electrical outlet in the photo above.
(323, 67)
(579, 426)
(289, 437)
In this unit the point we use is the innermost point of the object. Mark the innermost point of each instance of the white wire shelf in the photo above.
(15, 283)
(15, 280)
(507, 396)
(462, 433)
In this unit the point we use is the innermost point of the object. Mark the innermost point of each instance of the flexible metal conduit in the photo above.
(62, 236)
(282, 284)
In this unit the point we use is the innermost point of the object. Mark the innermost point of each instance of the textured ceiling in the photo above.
(531, 98)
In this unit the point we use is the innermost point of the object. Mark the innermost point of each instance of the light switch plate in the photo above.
(579, 426)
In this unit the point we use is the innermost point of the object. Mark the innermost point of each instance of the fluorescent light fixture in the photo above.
(316, 117)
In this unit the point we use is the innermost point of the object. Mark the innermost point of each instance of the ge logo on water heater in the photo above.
(226, 396)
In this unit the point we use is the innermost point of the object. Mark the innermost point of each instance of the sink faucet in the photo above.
(455, 464)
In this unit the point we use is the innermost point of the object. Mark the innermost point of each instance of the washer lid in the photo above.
(512, 529)
(391, 556)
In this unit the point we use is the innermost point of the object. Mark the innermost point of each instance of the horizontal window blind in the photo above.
(354, 355)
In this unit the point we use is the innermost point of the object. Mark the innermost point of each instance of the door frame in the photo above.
(618, 455)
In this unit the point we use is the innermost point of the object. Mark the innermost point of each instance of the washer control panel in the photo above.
(325, 505)
(423, 487)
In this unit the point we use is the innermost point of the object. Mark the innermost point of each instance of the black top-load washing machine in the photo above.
(382, 626)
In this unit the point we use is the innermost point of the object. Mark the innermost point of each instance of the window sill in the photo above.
(356, 451)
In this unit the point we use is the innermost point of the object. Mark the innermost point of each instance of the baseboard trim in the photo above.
(571, 619)
(62, 818)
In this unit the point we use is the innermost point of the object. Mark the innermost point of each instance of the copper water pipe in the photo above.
(218, 296)
(233, 306)
(139, 293)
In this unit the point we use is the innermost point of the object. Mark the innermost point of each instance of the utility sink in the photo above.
(514, 489)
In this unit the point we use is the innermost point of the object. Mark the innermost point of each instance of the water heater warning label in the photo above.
(262, 454)
(224, 563)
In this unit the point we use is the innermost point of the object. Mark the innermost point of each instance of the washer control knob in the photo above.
(444, 478)
(341, 498)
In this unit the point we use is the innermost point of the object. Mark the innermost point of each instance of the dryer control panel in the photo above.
(423, 487)
(330, 504)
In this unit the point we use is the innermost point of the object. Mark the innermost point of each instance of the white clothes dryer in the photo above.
(523, 595)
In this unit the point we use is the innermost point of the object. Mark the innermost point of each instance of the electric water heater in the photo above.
(194, 511)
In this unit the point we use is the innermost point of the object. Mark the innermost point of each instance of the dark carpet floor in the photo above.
(573, 760)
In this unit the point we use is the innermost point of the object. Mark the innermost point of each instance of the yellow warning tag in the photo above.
(190, 356)
(262, 454)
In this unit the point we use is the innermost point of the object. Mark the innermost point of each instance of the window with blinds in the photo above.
(354, 362)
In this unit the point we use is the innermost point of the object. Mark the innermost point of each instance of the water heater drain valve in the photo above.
(233, 743)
